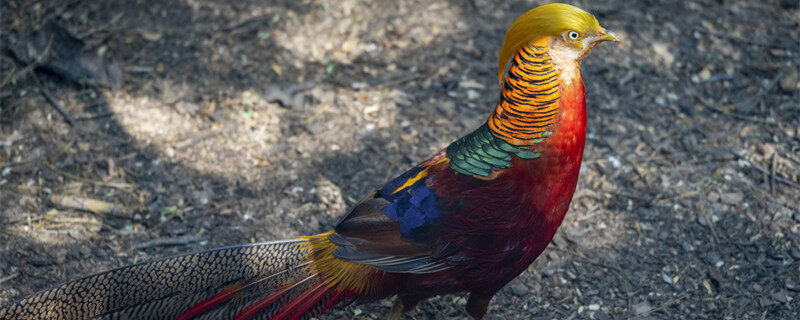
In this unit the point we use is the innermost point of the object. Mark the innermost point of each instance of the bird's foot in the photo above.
(397, 310)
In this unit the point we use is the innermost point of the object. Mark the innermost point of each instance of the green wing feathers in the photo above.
(480, 153)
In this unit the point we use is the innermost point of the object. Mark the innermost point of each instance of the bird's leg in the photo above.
(477, 304)
(397, 310)
(401, 306)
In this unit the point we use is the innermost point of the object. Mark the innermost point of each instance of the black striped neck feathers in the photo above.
(528, 103)
(527, 108)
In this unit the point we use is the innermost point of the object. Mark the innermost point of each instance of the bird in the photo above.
(468, 220)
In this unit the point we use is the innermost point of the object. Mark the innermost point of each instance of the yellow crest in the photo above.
(540, 23)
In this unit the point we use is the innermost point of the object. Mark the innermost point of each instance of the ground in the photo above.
(264, 120)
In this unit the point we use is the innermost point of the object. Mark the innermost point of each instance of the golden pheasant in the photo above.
(469, 219)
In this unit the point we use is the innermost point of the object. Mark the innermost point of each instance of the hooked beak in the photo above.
(607, 35)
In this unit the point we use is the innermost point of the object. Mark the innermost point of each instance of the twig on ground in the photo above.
(14, 76)
(54, 102)
(708, 221)
(590, 260)
(662, 306)
(119, 186)
(94, 116)
(12, 164)
(9, 277)
(766, 172)
(772, 167)
(177, 241)
(200, 137)
(732, 114)
(632, 196)
(176, 213)
(397, 81)
(92, 205)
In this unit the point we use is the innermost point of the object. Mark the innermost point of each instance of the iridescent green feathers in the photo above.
(479, 153)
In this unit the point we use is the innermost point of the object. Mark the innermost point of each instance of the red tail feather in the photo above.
(295, 308)
(262, 304)
(210, 303)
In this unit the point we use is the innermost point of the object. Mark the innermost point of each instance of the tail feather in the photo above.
(261, 305)
(302, 303)
(208, 304)
(232, 292)
(214, 284)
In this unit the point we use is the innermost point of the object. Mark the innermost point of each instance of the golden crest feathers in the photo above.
(540, 23)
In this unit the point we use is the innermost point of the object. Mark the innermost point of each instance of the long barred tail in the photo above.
(258, 281)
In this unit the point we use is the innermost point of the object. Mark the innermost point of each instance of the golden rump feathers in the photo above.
(539, 24)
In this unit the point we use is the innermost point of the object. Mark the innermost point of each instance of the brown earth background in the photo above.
(264, 120)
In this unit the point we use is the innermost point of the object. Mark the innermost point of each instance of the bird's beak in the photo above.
(607, 35)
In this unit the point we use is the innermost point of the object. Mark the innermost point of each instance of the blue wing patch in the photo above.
(414, 206)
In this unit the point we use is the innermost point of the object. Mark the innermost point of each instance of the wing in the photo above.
(389, 229)
(480, 153)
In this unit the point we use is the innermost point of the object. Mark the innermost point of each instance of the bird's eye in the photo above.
(573, 35)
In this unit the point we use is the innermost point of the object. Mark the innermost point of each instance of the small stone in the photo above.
(473, 95)
(602, 315)
(645, 213)
(519, 290)
(188, 107)
(792, 287)
(594, 307)
(795, 253)
(702, 220)
(732, 198)
(780, 297)
(84, 146)
(757, 287)
(642, 308)
(789, 82)
(766, 150)
(666, 278)
(716, 277)
(705, 73)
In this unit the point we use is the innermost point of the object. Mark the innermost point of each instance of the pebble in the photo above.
(473, 95)
(602, 315)
(642, 308)
(615, 162)
(780, 296)
(594, 307)
(732, 198)
(519, 290)
(790, 83)
(795, 253)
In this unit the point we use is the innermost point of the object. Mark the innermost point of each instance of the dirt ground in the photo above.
(264, 120)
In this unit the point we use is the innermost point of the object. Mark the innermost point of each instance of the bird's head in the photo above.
(569, 32)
